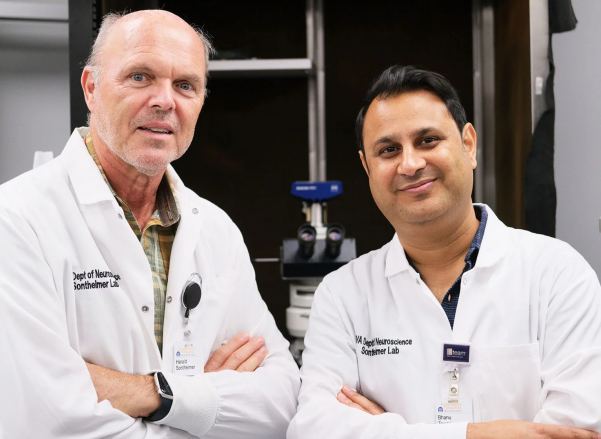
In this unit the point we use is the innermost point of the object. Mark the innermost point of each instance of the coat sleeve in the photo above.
(229, 404)
(46, 388)
(570, 336)
(329, 362)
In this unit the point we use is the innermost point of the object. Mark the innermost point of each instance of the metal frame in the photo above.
(316, 105)
(84, 21)
(484, 100)
(260, 68)
(316, 91)
(539, 57)
(33, 11)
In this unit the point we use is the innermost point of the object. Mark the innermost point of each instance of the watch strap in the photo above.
(165, 406)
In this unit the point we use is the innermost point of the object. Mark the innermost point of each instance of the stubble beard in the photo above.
(135, 157)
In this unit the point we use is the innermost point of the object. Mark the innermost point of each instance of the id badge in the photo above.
(185, 360)
(451, 412)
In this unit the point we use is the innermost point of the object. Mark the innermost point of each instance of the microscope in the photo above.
(318, 249)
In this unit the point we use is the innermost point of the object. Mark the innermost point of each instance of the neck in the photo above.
(442, 243)
(138, 190)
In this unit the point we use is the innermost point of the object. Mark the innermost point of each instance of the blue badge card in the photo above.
(456, 353)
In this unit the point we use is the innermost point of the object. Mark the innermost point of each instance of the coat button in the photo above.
(120, 216)
(169, 299)
(144, 308)
(417, 281)
(465, 281)
(195, 211)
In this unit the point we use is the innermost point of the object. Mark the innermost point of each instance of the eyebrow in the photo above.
(416, 133)
(191, 77)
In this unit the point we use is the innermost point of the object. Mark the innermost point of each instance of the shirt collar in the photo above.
(490, 243)
(166, 201)
(472, 254)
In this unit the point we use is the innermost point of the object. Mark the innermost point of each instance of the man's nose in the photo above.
(411, 161)
(162, 96)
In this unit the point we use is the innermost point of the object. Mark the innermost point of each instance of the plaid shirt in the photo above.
(156, 238)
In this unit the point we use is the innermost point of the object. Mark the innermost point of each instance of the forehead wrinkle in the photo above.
(141, 53)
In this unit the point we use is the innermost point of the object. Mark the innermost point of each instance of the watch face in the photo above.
(163, 384)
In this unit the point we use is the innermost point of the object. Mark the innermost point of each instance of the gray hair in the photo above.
(109, 21)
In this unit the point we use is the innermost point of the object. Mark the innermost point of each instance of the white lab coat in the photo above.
(61, 219)
(531, 309)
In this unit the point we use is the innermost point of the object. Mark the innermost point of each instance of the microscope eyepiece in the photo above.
(306, 235)
(334, 239)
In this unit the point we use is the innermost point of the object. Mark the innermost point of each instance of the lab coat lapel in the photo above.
(493, 249)
(404, 280)
(183, 260)
(109, 228)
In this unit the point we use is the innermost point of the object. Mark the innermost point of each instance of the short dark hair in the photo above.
(397, 79)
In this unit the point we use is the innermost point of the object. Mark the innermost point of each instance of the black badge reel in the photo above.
(191, 294)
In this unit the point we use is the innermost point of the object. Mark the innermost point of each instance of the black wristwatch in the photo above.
(166, 398)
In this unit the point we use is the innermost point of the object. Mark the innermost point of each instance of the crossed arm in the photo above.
(506, 429)
(330, 369)
(137, 396)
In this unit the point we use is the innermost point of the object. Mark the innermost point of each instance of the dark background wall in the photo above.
(513, 107)
(251, 138)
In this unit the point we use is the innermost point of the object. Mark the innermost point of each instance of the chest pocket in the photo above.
(509, 382)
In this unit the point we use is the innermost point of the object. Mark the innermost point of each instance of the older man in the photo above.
(128, 304)
(460, 327)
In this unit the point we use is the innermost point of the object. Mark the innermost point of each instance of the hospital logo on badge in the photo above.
(456, 353)
(440, 409)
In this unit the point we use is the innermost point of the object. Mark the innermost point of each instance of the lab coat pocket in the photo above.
(508, 380)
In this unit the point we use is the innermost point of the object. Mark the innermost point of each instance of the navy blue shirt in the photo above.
(451, 299)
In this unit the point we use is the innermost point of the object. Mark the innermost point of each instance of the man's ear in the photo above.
(470, 143)
(89, 87)
(362, 156)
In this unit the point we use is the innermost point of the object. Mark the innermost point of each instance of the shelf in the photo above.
(260, 68)
(38, 11)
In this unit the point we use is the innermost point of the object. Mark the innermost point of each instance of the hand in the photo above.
(239, 354)
(349, 397)
(526, 430)
(134, 395)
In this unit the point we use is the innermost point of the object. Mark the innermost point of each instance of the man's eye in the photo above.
(429, 139)
(138, 77)
(186, 86)
(388, 150)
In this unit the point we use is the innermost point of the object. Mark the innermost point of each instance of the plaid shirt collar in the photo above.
(167, 206)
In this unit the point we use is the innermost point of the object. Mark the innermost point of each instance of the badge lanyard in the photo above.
(454, 387)
(191, 295)
(453, 407)
(454, 354)
(186, 360)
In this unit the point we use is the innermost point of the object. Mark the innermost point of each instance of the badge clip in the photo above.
(454, 387)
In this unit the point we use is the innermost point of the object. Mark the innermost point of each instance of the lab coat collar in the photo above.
(396, 259)
(88, 184)
(494, 246)
(495, 242)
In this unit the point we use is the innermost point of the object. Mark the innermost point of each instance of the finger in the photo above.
(369, 406)
(341, 397)
(223, 353)
(253, 362)
(243, 353)
(565, 432)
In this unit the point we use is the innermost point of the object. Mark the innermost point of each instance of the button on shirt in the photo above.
(156, 238)
(451, 298)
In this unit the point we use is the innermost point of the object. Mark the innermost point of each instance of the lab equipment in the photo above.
(318, 249)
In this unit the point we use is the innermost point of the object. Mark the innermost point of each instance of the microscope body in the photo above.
(319, 248)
